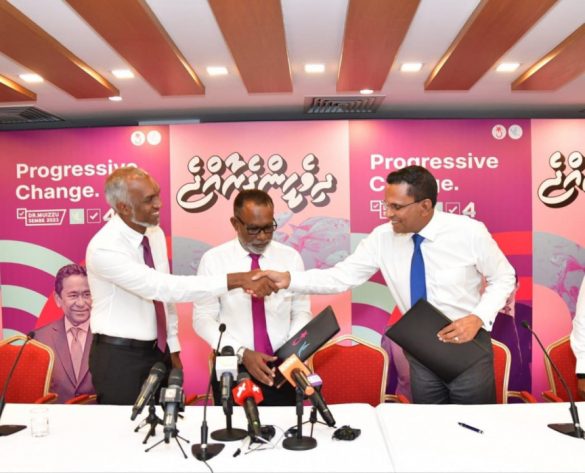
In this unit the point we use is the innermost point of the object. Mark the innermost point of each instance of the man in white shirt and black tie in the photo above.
(434, 255)
(256, 327)
(134, 325)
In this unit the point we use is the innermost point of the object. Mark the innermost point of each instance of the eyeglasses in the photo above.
(253, 230)
(398, 207)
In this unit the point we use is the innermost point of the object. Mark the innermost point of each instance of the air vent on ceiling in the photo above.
(15, 115)
(344, 104)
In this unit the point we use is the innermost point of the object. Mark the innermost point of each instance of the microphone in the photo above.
(248, 395)
(296, 373)
(173, 400)
(149, 387)
(574, 429)
(11, 429)
(204, 451)
(226, 368)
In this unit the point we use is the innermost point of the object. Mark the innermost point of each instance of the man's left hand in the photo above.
(462, 330)
(176, 360)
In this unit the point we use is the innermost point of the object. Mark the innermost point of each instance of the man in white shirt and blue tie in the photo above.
(430, 254)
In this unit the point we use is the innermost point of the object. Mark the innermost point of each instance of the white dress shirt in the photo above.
(457, 251)
(123, 286)
(286, 313)
(578, 332)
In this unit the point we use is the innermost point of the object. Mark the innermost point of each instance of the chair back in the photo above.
(351, 373)
(32, 377)
(563, 356)
(502, 362)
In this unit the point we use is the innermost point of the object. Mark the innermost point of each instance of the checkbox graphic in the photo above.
(453, 207)
(76, 216)
(21, 214)
(93, 215)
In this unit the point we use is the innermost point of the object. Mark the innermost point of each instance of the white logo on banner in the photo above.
(499, 132)
(137, 138)
(515, 132)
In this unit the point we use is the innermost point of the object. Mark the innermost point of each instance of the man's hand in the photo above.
(256, 286)
(581, 388)
(462, 330)
(255, 363)
(176, 360)
(280, 279)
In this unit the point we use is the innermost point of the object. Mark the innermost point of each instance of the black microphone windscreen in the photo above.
(227, 351)
(525, 324)
(242, 376)
(176, 377)
(222, 328)
(31, 334)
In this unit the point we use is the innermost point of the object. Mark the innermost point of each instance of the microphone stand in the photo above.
(152, 419)
(574, 429)
(204, 451)
(12, 429)
(228, 434)
(298, 442)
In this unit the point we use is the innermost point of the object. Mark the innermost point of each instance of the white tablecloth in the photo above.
(91, 438)
(516, 438)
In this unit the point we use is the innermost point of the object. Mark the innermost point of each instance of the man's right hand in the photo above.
(256, 364)
(581, 388)
(258, 287)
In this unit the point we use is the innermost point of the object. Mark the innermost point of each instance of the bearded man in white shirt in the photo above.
(456, 251)
(254, 328)
(128, 272)
(578, 341)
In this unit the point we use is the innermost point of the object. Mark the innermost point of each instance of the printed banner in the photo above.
(558, 149)
(302, 165)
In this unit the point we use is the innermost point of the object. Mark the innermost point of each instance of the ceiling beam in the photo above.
(493, 28)
(25, 42)
(374, 31)
(131, 28)
(558, 67)
(254, 33)
(10, 91)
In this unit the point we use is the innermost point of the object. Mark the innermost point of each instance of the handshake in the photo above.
(259, 283)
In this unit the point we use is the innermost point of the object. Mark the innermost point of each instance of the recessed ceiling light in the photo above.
(31, 78)
(411, 66)
(366, 91)
(508, 67)
(115, 98)
(123, 73)
(314, 68)
(217, 70)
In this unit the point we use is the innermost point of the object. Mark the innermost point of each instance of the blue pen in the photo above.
(470, 427)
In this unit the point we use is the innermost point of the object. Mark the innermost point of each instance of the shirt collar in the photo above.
(84, 326)
(134, 237)
(431, 229)
(242, 253)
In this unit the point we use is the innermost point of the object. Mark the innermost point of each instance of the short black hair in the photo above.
(421, 183)
(251, 195)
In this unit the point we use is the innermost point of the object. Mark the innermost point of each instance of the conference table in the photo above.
(394, 437)
(90, 438)
(515, 438)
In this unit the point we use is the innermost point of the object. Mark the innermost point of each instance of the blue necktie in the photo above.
(418, 285)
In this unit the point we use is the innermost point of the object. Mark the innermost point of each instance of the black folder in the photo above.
(319, 330)
(416, 332)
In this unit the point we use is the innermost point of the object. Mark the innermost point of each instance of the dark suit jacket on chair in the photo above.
(63, 381)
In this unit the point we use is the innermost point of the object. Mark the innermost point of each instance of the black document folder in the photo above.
(308, 340)
(416, 332)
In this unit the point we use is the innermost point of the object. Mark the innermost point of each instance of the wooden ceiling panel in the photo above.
(132, 29)
(254, 33)
(374, 31)
(560, 66)
(10, 91)
(493, 28)
(26, 43)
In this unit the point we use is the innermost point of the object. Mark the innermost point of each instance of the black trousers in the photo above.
(476, 385)
(273, 396)
(118, 372)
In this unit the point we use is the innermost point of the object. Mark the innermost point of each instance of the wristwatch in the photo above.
(240, 354)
